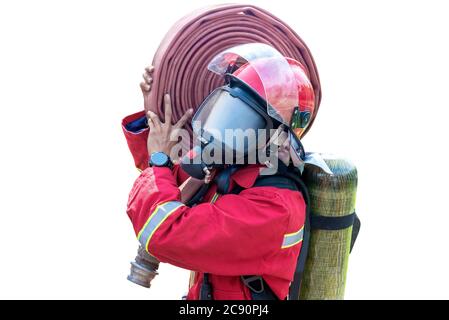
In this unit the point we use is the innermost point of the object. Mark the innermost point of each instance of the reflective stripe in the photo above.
(214, 198)
(158, 216)
(292, 239)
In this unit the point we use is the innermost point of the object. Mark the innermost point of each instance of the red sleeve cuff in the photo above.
(137, 141)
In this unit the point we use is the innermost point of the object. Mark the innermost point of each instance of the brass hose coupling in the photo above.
(143, 269)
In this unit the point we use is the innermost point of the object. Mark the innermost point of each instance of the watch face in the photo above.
(159, 159)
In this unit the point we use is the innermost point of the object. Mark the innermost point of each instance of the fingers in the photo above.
(153, 120)
(149, 70)
(148, 78)
(184, 119)
(145, 87)
(150, 124)
(167, 108)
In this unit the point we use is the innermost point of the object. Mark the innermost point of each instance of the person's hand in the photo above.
(146, 84)
(163, 136)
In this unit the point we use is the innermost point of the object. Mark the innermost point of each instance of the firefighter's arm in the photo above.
(233, 236)
(136, 130)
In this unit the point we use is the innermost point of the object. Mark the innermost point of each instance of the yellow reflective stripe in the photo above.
(214, 198)
(149, 219)
(159, 215)
(292, 239)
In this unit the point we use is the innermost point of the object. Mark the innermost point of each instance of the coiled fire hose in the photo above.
(180, 64)
(181, 60)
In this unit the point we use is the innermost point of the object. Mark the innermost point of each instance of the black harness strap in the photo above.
(258, 288)
(338, 223)
(206, 288)
(332, 223)
(355, 231)
(295, 286)
(277, 181)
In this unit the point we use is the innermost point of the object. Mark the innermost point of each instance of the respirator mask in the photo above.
(238, 124)
(230, 128)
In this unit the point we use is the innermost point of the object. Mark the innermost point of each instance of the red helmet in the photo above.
(264, 91)
(282, 82)
(294, 108)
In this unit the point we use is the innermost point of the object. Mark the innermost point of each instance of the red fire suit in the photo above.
(257, 232)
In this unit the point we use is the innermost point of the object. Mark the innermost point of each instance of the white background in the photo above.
(69, 71)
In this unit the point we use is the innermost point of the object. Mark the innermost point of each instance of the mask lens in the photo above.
(228, 121)
(223, 111)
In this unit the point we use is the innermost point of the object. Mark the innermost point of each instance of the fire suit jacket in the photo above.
(257, 232)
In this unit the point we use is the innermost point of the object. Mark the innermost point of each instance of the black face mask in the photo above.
(232, 126)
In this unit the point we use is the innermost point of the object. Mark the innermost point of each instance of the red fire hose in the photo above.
(181, 59)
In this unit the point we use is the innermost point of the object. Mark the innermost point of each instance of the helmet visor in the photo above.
(228, 122)
(276, 81)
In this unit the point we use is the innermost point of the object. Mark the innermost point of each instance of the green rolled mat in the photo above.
(331, 195)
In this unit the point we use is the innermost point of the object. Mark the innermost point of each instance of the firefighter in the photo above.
(244, 235)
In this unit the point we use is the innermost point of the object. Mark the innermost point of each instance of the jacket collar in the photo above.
(246, 176)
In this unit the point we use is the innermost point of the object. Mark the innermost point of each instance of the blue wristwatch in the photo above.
(160, 159)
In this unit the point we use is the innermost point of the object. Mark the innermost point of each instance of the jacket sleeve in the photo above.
(136, 132)
(230, 237)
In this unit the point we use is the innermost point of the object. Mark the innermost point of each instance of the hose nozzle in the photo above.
(143, 269)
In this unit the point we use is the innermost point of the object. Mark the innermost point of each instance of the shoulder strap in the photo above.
(278, 181)
(295, 286)
(285, 179)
